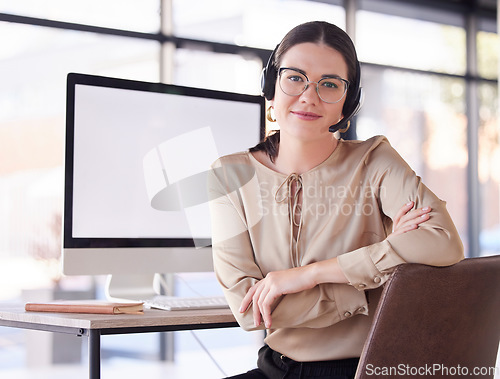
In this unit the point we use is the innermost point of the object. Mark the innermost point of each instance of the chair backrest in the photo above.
(439, 321)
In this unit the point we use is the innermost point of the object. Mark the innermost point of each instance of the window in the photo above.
(489, 175)
(134, 15)
(410, 43)
(33, 71)
(487, 54)
(223, 72)
(423, 117)
(257, 23)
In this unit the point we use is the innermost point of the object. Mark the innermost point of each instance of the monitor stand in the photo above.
(135, 287)
(139, 287)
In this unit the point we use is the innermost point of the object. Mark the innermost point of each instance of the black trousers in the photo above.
(272, 365)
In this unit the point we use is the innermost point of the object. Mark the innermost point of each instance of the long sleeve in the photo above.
(235, 262)
(436, 242)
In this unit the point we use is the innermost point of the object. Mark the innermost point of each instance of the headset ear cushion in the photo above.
(268, 77)
(268, 82)
(263, 83)
(353, 99)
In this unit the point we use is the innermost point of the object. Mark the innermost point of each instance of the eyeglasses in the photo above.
(330, 89)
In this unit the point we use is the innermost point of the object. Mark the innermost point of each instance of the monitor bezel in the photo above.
(74, 79)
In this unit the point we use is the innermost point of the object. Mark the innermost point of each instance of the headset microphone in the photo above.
(352, 103)
(346, 121)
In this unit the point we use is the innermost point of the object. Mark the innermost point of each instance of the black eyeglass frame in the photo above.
(308, 82)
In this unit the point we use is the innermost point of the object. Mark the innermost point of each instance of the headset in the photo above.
(352, 105)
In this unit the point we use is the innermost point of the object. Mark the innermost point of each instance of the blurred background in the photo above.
(430, 75)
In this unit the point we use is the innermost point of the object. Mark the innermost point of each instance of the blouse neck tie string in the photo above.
(287, 193)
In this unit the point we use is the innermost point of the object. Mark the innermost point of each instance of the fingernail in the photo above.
(409, 203)
(426, 208)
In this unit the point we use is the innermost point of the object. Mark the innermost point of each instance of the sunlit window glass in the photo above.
(223, 72)
(489, 173)
(257, 23)
(33, 70)
(488, 48)
(135, 15)
(410, 43)
(423, 118)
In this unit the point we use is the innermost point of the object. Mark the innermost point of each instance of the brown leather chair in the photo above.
(439, 321)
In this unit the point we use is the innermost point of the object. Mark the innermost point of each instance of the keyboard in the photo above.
(173, 303)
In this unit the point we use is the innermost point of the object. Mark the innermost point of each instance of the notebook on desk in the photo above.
(86, 306)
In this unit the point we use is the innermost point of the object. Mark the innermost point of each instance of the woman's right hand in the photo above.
(265, 292)
(407, 219)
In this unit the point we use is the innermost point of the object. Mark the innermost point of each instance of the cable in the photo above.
(165, 286)
(186, 283)
(208, 352)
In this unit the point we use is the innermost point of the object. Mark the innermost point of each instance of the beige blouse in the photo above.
(347, 205)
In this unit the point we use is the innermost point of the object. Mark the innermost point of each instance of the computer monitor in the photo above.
(130, 148)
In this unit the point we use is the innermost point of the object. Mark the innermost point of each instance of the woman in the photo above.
(307, 227)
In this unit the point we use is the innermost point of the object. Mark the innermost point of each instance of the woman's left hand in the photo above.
(265, 292)
(407, 219)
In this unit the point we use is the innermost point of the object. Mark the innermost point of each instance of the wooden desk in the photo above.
(94, 326)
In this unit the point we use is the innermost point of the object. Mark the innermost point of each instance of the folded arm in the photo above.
(264, 293)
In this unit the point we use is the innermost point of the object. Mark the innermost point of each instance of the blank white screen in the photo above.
(115, 129)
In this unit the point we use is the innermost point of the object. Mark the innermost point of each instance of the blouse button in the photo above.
(377, 279)
(361, 285)
(347, 314)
